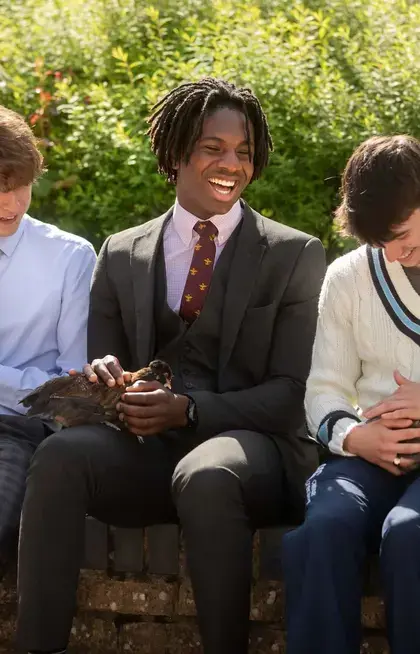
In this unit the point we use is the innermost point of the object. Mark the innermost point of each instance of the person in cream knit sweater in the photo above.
(362, 398)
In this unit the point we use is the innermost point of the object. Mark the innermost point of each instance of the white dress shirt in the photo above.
(45, 277)
(179, 240)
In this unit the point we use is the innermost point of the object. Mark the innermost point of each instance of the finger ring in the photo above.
(397, 461)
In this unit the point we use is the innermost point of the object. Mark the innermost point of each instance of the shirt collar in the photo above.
(8, 244)
(184, 221)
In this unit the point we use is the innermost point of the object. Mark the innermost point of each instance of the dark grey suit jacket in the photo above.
(268, 326)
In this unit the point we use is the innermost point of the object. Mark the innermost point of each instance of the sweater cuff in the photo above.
(342, 428)
(333, 430)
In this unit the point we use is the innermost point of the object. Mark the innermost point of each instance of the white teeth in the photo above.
(408, 254)
(222, 182)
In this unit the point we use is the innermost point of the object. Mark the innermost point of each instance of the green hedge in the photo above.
(85, 73)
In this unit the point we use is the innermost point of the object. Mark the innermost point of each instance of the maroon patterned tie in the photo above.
(201, 269)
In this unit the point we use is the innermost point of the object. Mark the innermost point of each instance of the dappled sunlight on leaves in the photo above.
(85, 73)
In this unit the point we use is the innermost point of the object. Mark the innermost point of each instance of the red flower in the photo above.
(33, 119)
(45, 96)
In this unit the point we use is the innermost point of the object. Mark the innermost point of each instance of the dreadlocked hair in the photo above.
(176, 122)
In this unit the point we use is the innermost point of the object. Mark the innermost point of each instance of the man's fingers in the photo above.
(393, 421)
(113, 366)
(141, 386)
(392, 404)
(101, 369)
(408, 448)
(135, 410)
(127, 377)
(400, 379)
(406, 434)
(141, 398)
(374, 411)
(402, 414)
(144, 427)
(109, 370)
(90, 373)
(407, 464)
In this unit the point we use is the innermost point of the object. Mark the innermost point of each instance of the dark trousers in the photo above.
(19, 438)
(220, 491)
(354, 508)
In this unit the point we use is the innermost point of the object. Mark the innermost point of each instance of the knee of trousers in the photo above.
(56, 457)
(401, 533)
(204, 489)
(327, 534)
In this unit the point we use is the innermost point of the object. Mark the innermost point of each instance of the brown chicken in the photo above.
(73, 400)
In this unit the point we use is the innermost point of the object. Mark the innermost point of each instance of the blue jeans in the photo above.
(353, 509)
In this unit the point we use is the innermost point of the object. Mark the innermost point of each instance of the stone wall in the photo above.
(150, 612)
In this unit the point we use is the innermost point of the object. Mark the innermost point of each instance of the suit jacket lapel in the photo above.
(243, 273)
(143, 265)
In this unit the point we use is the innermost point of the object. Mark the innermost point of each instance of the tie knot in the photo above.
(206, 228)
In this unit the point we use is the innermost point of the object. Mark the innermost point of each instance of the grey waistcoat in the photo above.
(192, 352)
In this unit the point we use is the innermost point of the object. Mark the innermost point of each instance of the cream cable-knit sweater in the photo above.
(368, 326)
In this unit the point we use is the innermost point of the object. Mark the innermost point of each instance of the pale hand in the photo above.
(404, 403)
(379, 442)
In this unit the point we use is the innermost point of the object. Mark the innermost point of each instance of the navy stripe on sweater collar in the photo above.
(402, 317)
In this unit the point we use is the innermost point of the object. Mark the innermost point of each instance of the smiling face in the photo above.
(13, 206)
(405, 247)
(219, 168)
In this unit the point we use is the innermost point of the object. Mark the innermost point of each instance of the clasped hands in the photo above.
(146, 408)
(380, 440)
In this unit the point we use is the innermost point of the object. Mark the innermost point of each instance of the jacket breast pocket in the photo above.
(254, 341)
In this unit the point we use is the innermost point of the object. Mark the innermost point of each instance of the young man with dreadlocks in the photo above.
(229, 299)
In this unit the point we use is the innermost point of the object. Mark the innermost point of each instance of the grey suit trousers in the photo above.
(219, 491)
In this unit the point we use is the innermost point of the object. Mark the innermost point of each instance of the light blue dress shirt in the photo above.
(45, 276)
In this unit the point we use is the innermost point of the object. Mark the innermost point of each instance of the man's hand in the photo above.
(379, 442)
(108, 369)
(148, 408)
(404, 403)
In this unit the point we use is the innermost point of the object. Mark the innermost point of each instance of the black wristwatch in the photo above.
(191, 413)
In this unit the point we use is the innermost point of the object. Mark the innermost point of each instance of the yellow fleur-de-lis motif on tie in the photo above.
(203, 286)
(198, 247)
(193, 271)
(202, 226)
(197, 312)
(207, 261)
(212, 237)
(188, 297)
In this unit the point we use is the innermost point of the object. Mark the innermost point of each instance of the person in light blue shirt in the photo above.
(45, 276)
